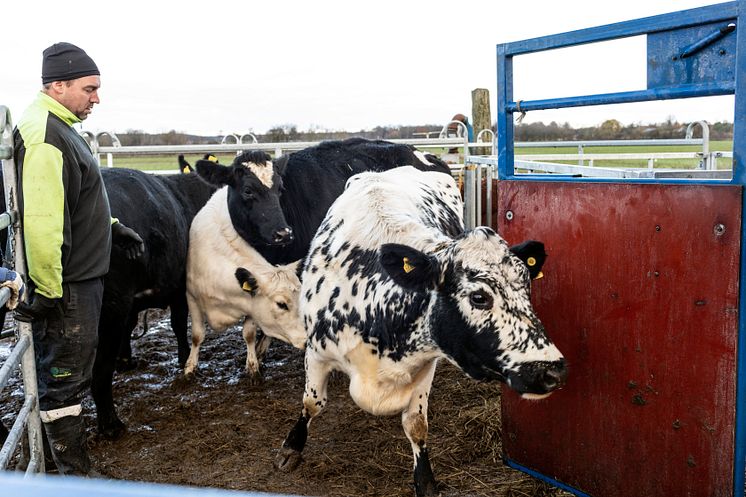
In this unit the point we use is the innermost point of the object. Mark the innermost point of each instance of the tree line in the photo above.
(610, 129)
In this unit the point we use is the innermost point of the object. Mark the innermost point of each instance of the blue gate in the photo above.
(645, 286)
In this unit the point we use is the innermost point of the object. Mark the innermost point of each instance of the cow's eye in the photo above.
(248, 194)
(282, 305)
(480, 300)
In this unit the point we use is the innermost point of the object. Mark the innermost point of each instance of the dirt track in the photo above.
(222, 431)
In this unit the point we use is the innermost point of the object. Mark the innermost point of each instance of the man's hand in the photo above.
(128, 240)
(38, 307)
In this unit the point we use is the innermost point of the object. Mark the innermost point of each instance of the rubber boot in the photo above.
(68, 441)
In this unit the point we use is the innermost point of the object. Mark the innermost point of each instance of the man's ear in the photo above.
(246, 281)
(408, 267)
(532, 254)
(215, 173)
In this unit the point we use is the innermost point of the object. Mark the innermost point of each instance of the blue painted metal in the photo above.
(663, 22)
(666, 93)
(739, 177)
(708, 55)
(545, 478)
(704, 71)
(708, 40)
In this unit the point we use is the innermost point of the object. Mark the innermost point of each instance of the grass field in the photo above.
(169, 161)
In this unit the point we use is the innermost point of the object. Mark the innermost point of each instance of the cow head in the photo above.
(275, 295)
(481, 316)
(255, 185)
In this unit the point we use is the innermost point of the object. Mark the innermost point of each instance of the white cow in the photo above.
(392, 283)
(228, 281)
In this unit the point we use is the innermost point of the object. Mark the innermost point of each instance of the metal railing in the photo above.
(478, 168)
(23, 351)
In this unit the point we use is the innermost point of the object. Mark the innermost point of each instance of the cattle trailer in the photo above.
(644, 287)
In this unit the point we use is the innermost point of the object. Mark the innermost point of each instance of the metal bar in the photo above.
(739, 177)
(645, 25)
(504, 124)
(707, 41)
(233, 147)
(623, 156)
(4, 295)
(675, 92)
(16, 431)
(7, 219)
(13, 359)
(612, 143)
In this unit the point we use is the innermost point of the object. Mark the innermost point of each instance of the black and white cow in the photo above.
(267, 297)
(392, 283)
(160, 209)
(276, 206)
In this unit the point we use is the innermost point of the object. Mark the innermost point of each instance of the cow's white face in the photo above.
(481, 315)
(275, 305)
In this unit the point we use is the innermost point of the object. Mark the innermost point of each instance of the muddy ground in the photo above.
(220, 430)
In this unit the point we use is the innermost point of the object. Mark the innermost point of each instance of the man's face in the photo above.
(79, 95)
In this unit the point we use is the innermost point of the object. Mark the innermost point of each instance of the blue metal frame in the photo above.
(506, 107)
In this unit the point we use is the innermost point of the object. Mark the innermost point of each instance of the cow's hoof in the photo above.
(287, 459)
(254, 378)
(113, 431)
(125, 364)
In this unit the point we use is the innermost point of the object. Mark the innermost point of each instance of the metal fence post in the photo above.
(28, 365)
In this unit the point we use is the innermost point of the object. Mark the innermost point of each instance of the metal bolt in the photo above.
(509, 215)
(722, 51)
(719, 229)
(657, 227)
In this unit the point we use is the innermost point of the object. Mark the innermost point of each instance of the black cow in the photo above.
(277, 206)
(160, 209)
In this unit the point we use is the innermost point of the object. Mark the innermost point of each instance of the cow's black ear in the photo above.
(215, 173)
(184, 166)
(408, 267)
(247, 281)
(532, 254)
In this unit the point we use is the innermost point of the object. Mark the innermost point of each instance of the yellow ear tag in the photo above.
(531, 261)
(539, 276)
(408, 268)
(246, 286)
(212, 158)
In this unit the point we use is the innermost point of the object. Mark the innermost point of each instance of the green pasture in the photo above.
(715, 146)
(169, 161)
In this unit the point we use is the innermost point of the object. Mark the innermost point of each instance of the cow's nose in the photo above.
(283, 236)
(554, 376)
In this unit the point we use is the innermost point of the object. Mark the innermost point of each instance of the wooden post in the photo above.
(481, 118)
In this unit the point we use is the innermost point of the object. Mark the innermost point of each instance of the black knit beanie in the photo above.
(64, 61)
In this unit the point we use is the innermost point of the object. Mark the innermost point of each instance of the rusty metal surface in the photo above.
(641, 295)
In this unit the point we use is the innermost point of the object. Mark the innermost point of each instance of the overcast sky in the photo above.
(218, 66)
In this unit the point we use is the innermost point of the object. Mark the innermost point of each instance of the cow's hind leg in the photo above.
(179, 315)
(198, 336)
(252, 362)
(314, 401)
(414, 421)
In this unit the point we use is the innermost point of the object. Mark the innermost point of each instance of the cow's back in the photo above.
(148, 205)
(343, 284)
(314, 177)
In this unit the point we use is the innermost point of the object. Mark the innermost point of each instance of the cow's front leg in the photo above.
(314, 401)
(252, 362)
(414, 421)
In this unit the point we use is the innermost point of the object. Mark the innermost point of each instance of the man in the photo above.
(68, 233)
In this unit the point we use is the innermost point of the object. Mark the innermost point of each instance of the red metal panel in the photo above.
(641, 295)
